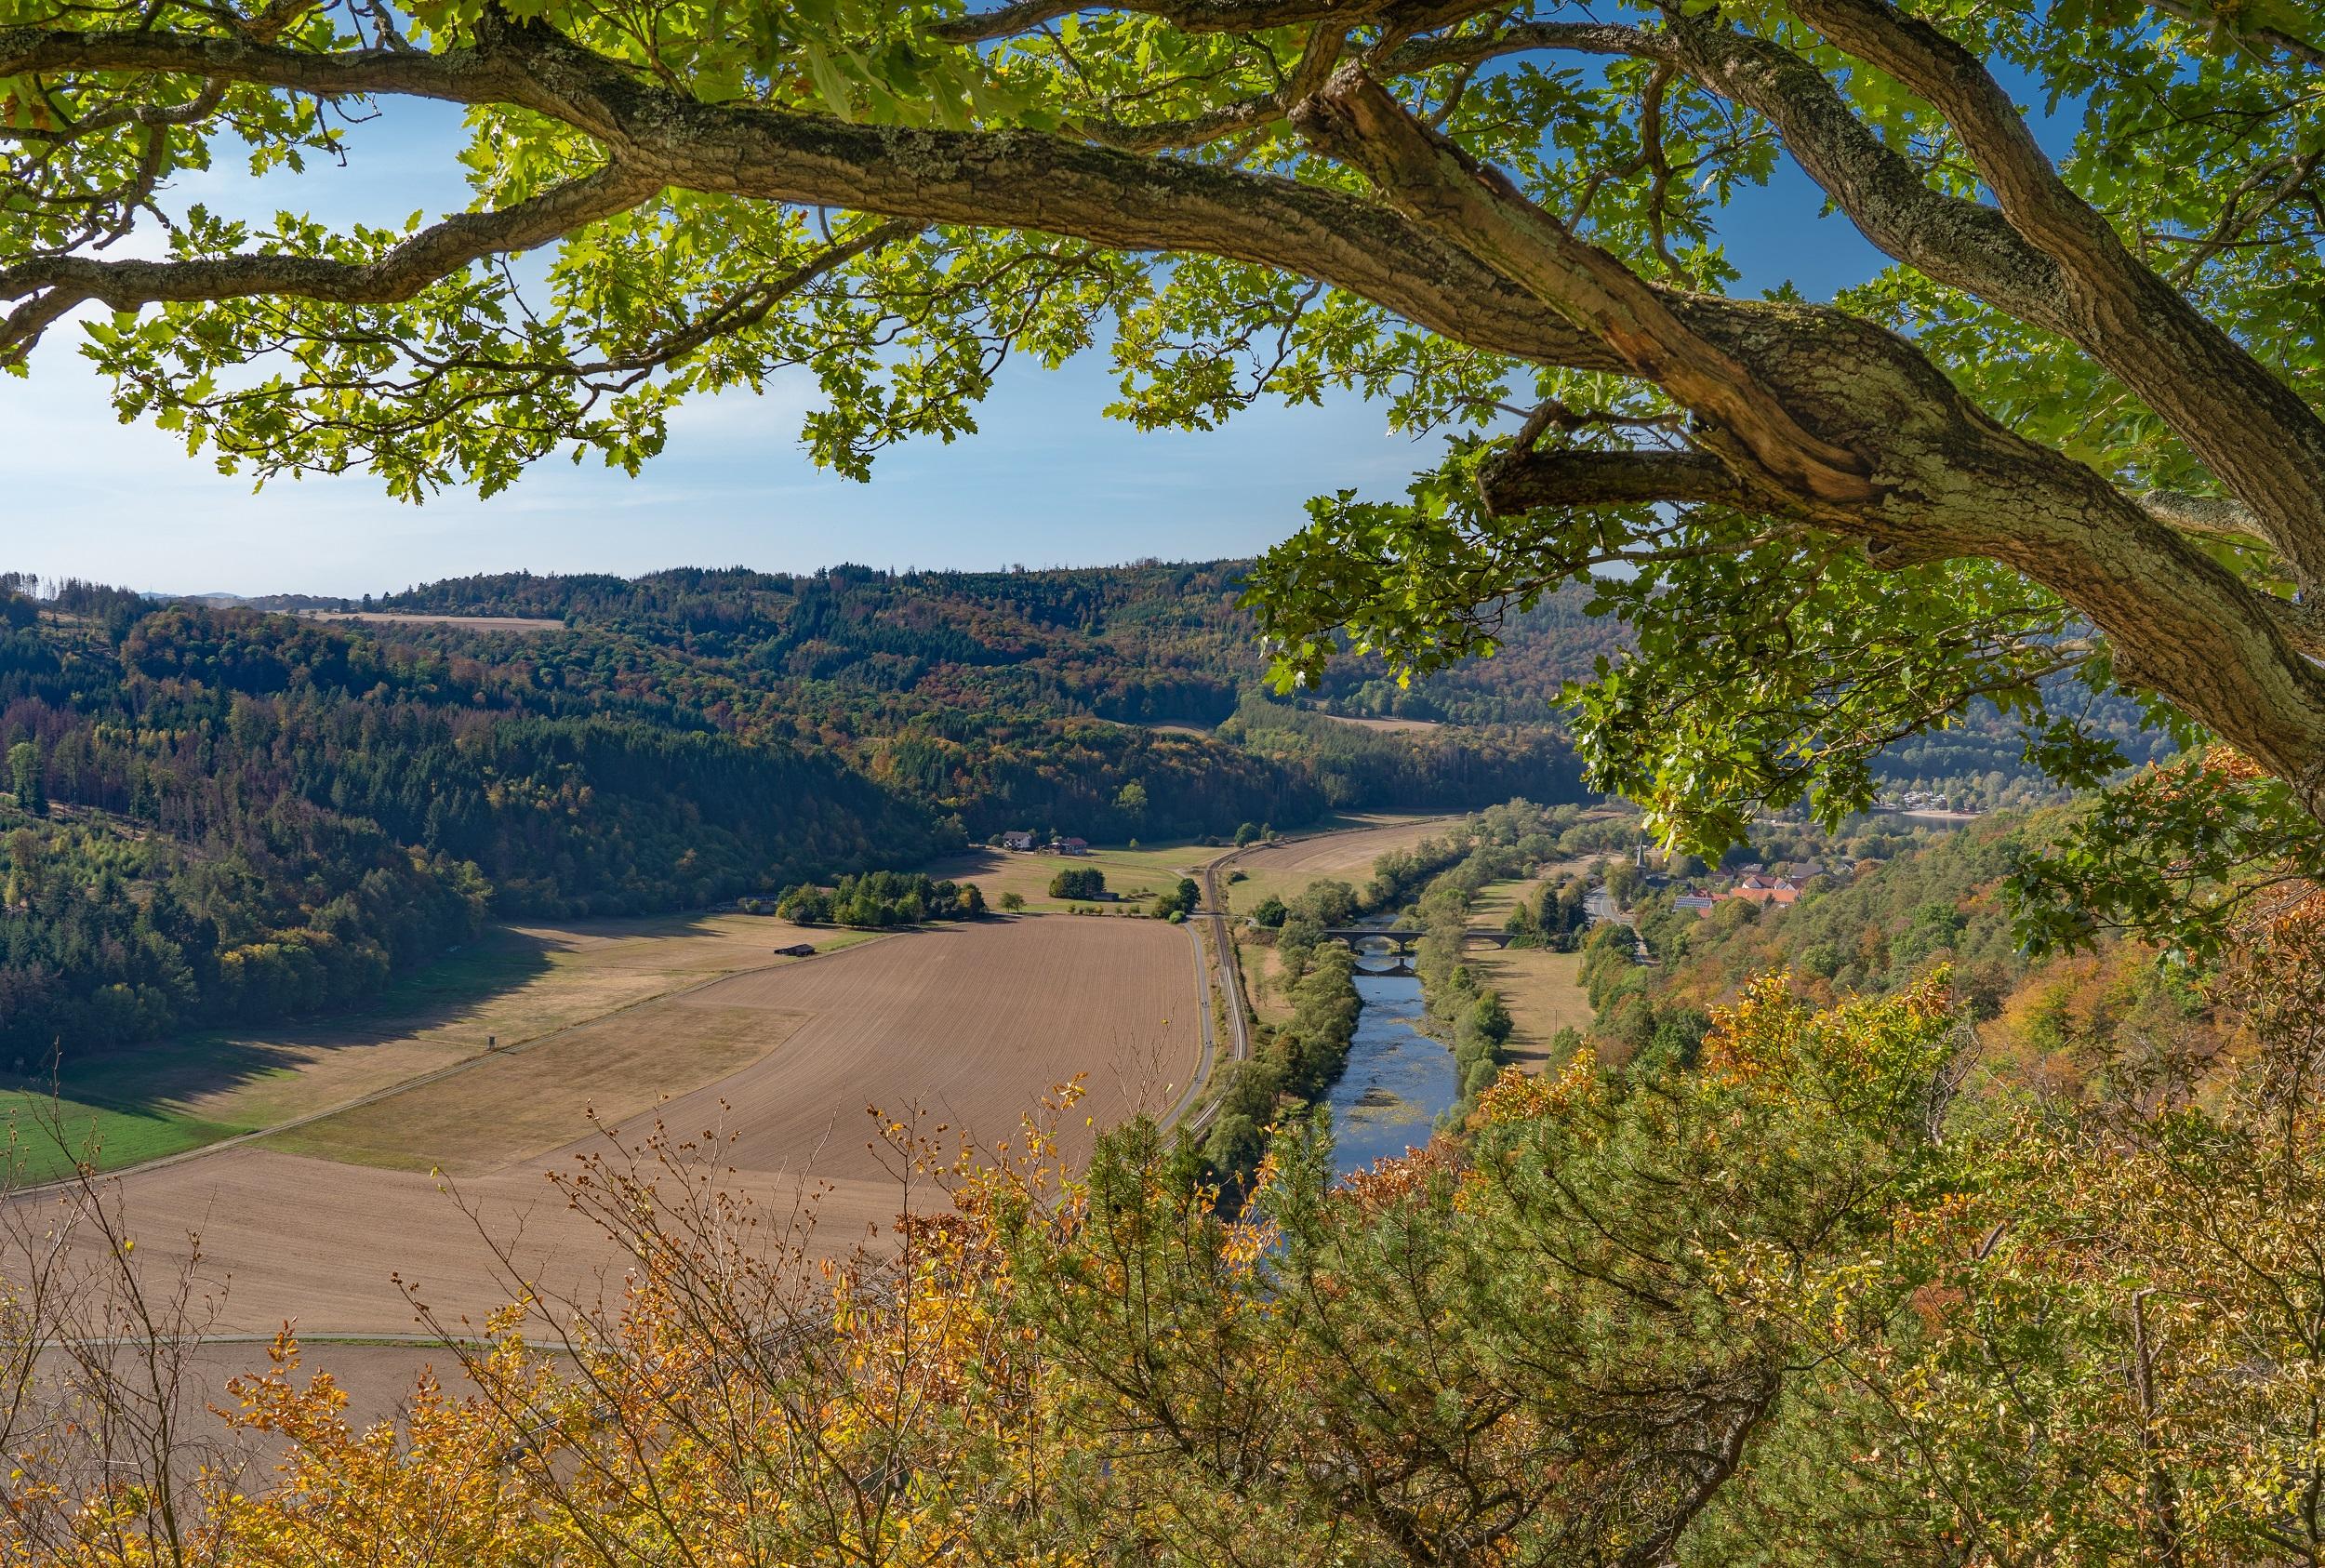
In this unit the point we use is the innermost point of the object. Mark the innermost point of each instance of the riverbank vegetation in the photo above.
(1505, 844)
(1294, 1062)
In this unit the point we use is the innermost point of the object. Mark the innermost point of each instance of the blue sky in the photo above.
(1048, 480)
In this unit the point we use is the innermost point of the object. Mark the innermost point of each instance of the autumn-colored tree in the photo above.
(1824, 1297)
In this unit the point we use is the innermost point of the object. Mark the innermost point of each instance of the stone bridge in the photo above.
(1403, 940)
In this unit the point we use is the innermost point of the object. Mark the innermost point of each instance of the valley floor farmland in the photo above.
(1345, 855)
(972, 1023)
(511, 987)
(1542, 988)
(1132, 875)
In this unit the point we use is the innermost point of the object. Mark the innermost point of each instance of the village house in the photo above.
(1017, 840)
(1071, 847)
(1766, 890)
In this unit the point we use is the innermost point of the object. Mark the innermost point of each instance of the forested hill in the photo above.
(213, 813)
(853, 652)
(976, 691)
(2060, 1023)
(1142, 644)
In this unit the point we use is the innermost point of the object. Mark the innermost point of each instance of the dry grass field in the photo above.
(527, 1101)
(970, 1023)
(571, 974)
(1262, 979)
(1386, 724)
(1543, 993)
(1344, 854)
(1133, 875)
(1539, 987)
(513, 985)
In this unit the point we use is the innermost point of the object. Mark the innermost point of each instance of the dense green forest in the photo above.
(1140, 644)
(237, 817)
(953, 663)
(976, 692)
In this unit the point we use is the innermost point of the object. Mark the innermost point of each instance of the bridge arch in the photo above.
(1403, 939)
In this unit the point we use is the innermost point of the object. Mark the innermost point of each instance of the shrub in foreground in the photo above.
(1804, 1302)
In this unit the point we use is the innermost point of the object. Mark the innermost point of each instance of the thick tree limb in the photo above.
(2255, 433)
(2038, 203)
(457, 75)
(58, 283)
(1048, 184)
(1201, 130)
(994, 179)
(2215, 516)
(1952, 482)
(1427, 176)
(1954, 241)
(1524, 481)
(1813, 413)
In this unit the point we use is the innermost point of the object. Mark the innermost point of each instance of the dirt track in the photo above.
(1384, 725)
(466, 623)
(973, 1023)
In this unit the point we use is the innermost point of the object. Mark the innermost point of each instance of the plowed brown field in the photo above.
(972, 1023)
(1337, 854)
(1286, 869)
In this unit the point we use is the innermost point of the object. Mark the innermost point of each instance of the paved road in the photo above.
(1231, 978)
(1210, 1053)
(1223, 936)
(1600, 903)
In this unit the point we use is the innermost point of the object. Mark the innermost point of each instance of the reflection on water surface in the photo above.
(1399, 1080)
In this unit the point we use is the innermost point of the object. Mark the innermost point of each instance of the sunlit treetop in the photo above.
(2070, 434)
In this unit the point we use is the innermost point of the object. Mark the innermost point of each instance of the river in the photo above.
(1398, 1081)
